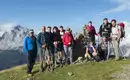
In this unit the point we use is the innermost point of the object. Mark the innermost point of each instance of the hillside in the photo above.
(87, 71)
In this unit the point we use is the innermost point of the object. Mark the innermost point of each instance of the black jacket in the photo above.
(57, 37)
(49, 39)
(105, 30)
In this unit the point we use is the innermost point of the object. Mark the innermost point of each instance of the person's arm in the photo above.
(119, 33)
(25, 45)
(64, 36)
(60, 39)
(73, 39)
(94, 51)
(39, 40)
(100, 31)
(87, 54)
(36, 44)
(86, 50)
(95, 31)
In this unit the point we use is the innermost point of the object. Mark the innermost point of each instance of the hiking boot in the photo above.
(41, 70)
(117, 59)
(30, 75)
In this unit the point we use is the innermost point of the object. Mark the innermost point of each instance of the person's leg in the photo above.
(30, 62)
(115, 45)
(66, 53)
(70, 54)
(52, 59)
(116, 49)
(41, 59)
(108, 49)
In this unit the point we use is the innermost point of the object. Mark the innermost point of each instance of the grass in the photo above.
(87, 71)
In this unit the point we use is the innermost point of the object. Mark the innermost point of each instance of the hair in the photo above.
(90, 22)
(113, 20)
(49, 27)
(105, 19)
(55, 27)
(61, 26)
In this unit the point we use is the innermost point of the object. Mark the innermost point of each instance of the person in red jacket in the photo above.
(91, 31)
(68, 42)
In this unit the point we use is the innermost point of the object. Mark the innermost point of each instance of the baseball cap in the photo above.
(31, 31)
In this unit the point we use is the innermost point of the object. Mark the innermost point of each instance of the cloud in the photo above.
(7, 26)
(122, 6)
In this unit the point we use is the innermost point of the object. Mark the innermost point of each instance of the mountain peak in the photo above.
(12, 36)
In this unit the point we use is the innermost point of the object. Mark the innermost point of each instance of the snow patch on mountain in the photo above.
(12, 36)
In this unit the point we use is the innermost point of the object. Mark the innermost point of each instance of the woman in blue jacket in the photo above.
(30, 47)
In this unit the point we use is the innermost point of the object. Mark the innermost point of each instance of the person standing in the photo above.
(68, 42)
(58, 44)
(30, 47)
(42, 47)
(50, 58)
(91, 31)
(62, 31)
(105, 32)
(115, 35)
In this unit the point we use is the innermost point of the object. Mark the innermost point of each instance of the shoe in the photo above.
(117, 59)
(41, 70)
(30, 75)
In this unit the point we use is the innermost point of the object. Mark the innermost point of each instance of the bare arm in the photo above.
(86, 50)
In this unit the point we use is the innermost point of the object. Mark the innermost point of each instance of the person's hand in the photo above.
(97, 34)
(86, 55)
(69, 43)
(44, 46)
(94, 53)
(118, 39)
(55, 43)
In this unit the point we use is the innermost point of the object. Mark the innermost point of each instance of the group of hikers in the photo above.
(55, 46)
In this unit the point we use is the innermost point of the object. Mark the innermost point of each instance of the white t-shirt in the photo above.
(62, 34)
(115, 31)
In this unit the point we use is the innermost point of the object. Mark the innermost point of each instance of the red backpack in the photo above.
(122, 28)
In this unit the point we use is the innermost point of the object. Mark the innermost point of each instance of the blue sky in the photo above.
(69, 13)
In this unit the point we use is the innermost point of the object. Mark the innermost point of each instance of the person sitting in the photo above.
(91, 52)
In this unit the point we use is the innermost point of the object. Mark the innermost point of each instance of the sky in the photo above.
(69, 13)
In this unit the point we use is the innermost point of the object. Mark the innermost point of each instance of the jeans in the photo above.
(42, 57)
(68, 53)
(31, 60)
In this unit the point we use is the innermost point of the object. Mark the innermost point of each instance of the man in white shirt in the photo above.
(115, 35)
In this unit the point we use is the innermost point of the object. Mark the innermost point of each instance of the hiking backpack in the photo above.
(105, 34)
(122, 28)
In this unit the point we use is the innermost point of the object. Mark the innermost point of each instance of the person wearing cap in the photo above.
(30, 47)
(115, 35)
(41, 41)
(68, 41)
(104, 32)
